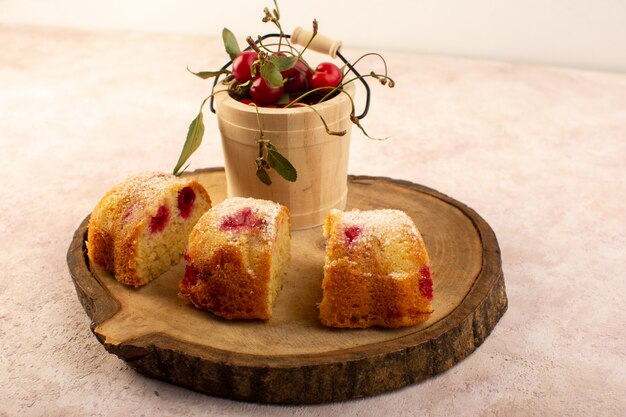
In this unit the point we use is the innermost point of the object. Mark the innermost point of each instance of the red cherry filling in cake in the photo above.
(191, 277)
(160, 219)
(352, 233)
(186, 199)
(426, 282)
(243, 219)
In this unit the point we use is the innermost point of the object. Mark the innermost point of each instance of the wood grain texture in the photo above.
(292, 358)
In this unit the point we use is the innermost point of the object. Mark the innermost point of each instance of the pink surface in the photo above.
(539, 152)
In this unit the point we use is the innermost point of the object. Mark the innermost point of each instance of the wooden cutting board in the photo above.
(292, 358)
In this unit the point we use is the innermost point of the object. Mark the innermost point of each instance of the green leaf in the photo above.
(208, 74)
(271, 74)
(193, 141)
(283, 63)
(230, 43)
(281, 164)
(263, 176)
(284, 99)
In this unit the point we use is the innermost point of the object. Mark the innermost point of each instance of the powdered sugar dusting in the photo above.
(137, 192)
(256, 211)
(145, 185)
(378, 223)
(398, 275)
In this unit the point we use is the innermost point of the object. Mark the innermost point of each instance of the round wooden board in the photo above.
(292, 358)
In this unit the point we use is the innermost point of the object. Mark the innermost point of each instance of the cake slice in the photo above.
(237, 255)
(139, 229)
(376, 271)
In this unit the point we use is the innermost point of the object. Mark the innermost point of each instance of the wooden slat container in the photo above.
(321, 160)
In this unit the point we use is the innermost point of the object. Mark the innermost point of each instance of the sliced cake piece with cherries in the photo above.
(139, 229)
(237, 255)
(376, 271)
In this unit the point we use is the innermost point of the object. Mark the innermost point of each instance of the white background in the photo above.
(574, 33)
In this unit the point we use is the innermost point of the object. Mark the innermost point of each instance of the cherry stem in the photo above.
(253, 45)
(353, 118)
(313, 35)
(315, 26)
(291, 47)
(274, 17)
(328, 131)
(258, 120)
(299, 99)
(213, 94)
(370, 54)
(264, 144)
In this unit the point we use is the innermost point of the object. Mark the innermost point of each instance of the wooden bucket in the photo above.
(320, 159)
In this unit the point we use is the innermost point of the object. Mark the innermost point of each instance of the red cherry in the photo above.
(326, 76)
(302, 66)
(263, 94)
(242, 65)
(297, 78)
(296, 82)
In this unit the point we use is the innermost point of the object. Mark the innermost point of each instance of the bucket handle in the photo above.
(320, 43)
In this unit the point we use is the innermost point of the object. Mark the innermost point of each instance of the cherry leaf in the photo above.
(283, 63)
(271, 74)
(282, 166)
(263, 176)
(284, 99)
(193, 141)
(208, 74)
(230, 43)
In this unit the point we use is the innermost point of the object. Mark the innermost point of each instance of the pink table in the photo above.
(539, 152)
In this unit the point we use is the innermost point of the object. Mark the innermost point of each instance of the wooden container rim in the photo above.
(227, 102)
